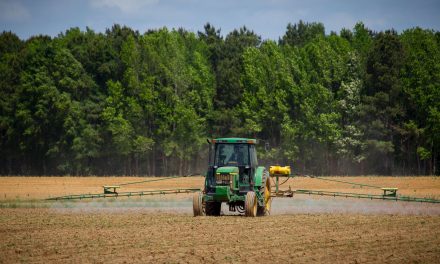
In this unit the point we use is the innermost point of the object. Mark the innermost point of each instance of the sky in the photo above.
(267, 18)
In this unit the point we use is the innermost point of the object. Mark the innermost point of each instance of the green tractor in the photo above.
(234, 178)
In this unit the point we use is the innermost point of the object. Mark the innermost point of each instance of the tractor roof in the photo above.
(235, 140)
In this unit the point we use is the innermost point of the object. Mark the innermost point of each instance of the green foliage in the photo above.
(122, 102)
(302, 33)
(229, 89)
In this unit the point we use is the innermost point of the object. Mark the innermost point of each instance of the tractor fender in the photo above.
(260, 176)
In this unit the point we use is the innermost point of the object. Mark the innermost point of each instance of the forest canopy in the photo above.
(125, 103)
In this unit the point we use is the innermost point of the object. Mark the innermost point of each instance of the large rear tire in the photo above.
(265, 210)
(250, 204)
(213, 208)
(198, 209)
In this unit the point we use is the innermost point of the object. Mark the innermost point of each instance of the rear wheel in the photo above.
(265, 210)
(198, 209)
(213, 208)
(250, 204)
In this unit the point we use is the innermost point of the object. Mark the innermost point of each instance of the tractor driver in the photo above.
(237, 156)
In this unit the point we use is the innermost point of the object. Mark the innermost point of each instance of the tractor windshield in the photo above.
(231, 155)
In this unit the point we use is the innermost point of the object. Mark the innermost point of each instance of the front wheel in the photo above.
(250, 204)
(198, 208)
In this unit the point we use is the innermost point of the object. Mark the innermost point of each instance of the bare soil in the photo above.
(44, 187)
(47, 235)
(161, 229)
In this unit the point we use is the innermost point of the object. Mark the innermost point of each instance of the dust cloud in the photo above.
(299, 204)
(305, 204)
(182, 206)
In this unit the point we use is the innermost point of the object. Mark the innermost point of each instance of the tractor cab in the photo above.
(233, 156)
(238, 154)
(227, 154)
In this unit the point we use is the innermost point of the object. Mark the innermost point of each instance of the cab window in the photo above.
(231, 155)
(253, 156)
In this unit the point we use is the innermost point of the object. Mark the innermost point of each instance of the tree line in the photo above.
(125, 103)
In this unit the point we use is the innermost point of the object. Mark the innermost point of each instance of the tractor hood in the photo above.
(228, 169)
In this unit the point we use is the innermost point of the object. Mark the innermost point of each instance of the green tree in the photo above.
(266, 82)
(229, 90)
(421, 82)
(11, 62)
(301, 33)
(382, 109)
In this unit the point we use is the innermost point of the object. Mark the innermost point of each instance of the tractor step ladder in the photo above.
(108, 188)
(391, 192)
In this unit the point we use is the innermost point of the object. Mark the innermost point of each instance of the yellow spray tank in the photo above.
(279, 171)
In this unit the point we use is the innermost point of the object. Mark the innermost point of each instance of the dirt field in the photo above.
(44, 235)
(43, 187)
(161, 229)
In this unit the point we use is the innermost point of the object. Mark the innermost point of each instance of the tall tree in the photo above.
(229, 90)
(301, 33)
(382, 101)
(11, 63)
(421, 82)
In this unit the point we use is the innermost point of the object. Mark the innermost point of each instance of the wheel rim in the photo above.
(254, 208)
(198, 205)
(251, 204)
(267, 198)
